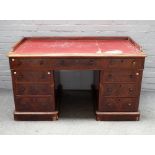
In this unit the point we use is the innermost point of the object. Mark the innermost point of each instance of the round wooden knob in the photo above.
(76, 61)
(48, 73)
(13, 59)
(91, 62)
(133, 62)
(41, 62)
(19, 63)
(21, 90)
(130, 89)
(129, 104)
(109, 89)
(109, 104)
(110, 75)
(62, 62)
(20, 77)
(137, 73)
(14, 72)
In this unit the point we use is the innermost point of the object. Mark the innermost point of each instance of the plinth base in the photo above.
(117, 116)
(36, 116)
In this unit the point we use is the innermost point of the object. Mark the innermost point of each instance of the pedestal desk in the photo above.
(119, 61)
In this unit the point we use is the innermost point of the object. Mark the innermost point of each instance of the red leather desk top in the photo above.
(76, 47)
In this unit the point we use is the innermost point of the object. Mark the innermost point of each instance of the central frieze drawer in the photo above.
(74, 63)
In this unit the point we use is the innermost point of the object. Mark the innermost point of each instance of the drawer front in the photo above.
(59, 63)
(118, 105)
(130, 63)
(120, 90)
(34, 104)
(120, 76)
(33, 89)
(32, 76)
(29, 63)
(75, 63)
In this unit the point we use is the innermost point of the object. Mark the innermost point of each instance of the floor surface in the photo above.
(77, 118)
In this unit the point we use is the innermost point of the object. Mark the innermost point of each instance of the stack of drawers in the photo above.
(33, 85)
(119, 89)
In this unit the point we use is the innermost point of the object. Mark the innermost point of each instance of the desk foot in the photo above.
(36, 116)
(117, 116)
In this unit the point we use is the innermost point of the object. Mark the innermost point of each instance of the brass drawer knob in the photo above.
(137, 74)
(14, 72)
(48, 73)
(13, 59)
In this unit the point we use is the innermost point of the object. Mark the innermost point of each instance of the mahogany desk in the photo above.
(120, 62)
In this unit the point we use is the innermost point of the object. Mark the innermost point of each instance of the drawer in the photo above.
(34, 89)
(34, 104)
(120, 76)
(32, 76)
(68, 62)
(130, 63)
(77, 63)
(119, 90)
(118, 105)
(29, 63)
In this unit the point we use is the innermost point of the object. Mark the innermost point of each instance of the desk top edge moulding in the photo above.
(118, 63)
(87, 46)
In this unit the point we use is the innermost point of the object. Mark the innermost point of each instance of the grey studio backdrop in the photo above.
(143, 32)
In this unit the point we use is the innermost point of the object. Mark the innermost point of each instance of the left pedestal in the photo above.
(34, 91)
